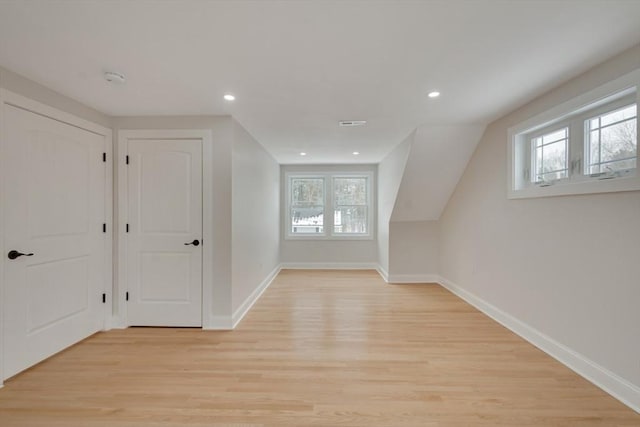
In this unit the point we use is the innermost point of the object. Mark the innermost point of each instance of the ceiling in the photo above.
(298, 67)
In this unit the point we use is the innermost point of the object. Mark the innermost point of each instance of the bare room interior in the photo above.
(319, 213)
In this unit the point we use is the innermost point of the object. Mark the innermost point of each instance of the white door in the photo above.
(53, 212)
(164, 239)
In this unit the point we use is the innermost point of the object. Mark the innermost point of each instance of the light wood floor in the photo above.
(321, 348)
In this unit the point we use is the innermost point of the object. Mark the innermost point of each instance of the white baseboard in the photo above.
(407, 278)
(218, 323)
(618, 387)
(255, 295)
(413, 278)
(108, 323)
(118, 322)
(114, 322)
(383, 273)
(329, 266)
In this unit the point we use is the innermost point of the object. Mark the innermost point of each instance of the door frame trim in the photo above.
(120, 286)
(28, 104)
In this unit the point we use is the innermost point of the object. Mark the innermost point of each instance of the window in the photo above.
(307, 206)
(351, 205)
(586, 145)
(550, 156)
(329, 205)
(612, 141)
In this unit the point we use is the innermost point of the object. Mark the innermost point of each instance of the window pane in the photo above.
(555, 136)
(550, 156)
(350, 191)
(307, 219)
(594, 148)
(555, 157)
(613, 166)
(619, 141)
(350, 214)
(538, 162)
(350, 219)
(549, 176)
(307, 191)
(614, 145)
(616, 116)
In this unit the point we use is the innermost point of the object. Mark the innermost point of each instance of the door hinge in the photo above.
(127, 159)
(104, 157)
(104, 298)
(127, 228)
(126, 296)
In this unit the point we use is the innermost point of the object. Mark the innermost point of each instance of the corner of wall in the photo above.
(255, 242)
(390, 174)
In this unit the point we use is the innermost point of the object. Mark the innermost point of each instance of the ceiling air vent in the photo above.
(353, 122)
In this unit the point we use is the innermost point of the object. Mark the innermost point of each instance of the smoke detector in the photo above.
(350, 123)
(113, 77)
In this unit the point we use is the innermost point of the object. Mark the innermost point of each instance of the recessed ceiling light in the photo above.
(229, 97)
(303, 153)
(434, 94)
(355, 153)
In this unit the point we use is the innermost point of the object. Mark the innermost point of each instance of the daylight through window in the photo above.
(326, 205)
(350, 205)
(550, 156)
(612, 143)
(587, 145)
(307, 205)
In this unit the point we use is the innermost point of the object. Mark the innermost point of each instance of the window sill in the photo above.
(329, 238)
(592, 186)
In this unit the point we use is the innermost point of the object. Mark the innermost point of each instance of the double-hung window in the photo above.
(351, 205)
(306, 209)
(329, 205)
(586, 145)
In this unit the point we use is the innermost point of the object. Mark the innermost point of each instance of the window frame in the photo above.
(598, 112)
(334, 205)
(531, 161)
(329, 208)
(573, 114)
(290, 205)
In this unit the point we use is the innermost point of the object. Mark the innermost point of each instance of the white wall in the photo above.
(414, 251)
(327, 253)
(25, 87)
(255, 197)
(390, 171)
(567, 266)
(222, 131)
(438, 157)
(417, 187)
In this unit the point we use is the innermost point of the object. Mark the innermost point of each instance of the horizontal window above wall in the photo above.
(586, 145)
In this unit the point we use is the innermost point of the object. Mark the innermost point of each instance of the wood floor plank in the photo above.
(320, 348)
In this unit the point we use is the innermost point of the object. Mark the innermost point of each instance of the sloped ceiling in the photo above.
(438, 157)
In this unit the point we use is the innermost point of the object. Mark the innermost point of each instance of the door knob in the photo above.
(15, 254)
(194, 243)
